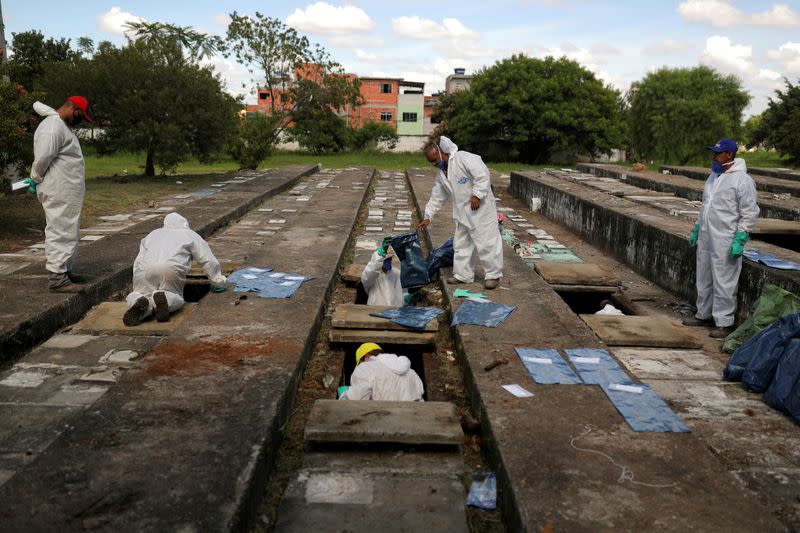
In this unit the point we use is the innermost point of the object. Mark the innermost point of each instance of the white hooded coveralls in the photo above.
(383, 288)
(165, 257)
(386, 377)
(729, 205)
(58, 169)
(477, 232)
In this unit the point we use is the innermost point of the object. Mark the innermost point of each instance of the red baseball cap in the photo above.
(83, 104)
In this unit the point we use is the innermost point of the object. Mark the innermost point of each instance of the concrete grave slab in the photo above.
(712, 401)
(355, 316)
(382, 336)
(106, 318)
(657, 363)
(67, 341)
(10, 267)
(387, 422)
(777, 226)
(352, 273)
(92, 238)
(652, 331)
(576, 274)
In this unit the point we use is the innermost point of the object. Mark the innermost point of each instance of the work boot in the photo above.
(60, 282)
(453, 280)
(720, 333)
(697, 322)
(490, 284)
(76, 278)
(162, 309)
(136, 313)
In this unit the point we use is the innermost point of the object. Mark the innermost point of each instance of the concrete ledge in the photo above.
(691, 189)
(763, 182)
(385, 422)
(29, 314)
(652, 243)
(783, 173)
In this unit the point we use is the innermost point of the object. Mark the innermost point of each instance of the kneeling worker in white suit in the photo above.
(383, 376)
(159, 272)
(381, 278)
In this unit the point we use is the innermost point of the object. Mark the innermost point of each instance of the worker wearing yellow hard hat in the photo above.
(382, 376)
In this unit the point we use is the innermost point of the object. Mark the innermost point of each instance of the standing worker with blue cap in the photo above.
(57, 178)
(727, 216)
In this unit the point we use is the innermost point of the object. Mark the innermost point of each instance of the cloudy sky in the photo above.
(620, 41)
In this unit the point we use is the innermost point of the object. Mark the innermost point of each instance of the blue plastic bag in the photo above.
(440, 257)
(413, 269)
(763, 342)
(483, 494)
(786, 377)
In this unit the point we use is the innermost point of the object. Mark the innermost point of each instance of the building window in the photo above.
(262, 96)
(386, 88)
(409, 117)
(386, 117)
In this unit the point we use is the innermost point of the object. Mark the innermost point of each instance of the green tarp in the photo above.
(773, 304)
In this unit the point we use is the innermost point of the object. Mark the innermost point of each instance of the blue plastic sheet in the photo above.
(645, 411)
(770, 260)
(481, 314)
(440, 257)
(603, 371)
(266, 283)
(410, 316)
(557, 372)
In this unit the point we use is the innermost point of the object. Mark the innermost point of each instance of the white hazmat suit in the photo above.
(477, 232)
(729, 205)
(383, 288)
(165, 257)
(58, 170)
(386, 377)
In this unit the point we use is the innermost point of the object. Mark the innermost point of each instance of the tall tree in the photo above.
(779, 126)
(528, 109)
(674, 114)
(160, 35)
(33, 53)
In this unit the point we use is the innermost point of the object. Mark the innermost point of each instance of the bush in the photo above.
(372, 134)
(779, 126)
(17, 124)
(254, 141)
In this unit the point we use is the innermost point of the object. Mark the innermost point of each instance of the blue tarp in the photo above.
(605, 370)
(645, 411)
(557, 372)
(773, 337)
(268, 284)
(786, 377)
(770, 260)
(440, 257)
(481, 314)
(410, 316)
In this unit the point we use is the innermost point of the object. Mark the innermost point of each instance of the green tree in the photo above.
(674, 114)
(372, 134)
(253, 141)
(527, 109)
(33, 53)
(780, 124)
(17, 125)
(160, 35)
(320, 130)
(749, 129)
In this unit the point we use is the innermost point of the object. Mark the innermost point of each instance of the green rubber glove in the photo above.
(693, 236)
(408, 298)
(218, 288)
(384, 247)
(341, 390)
(737, 246)
(31, 185)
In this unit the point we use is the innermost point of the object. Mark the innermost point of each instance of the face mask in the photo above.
(441, 165)
(387, 264)
(717, 168)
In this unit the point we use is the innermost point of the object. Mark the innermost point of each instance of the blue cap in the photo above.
(725, 145)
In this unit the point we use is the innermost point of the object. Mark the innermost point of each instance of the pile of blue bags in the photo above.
(769, 362)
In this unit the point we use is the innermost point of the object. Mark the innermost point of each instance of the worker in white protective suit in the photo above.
(727, 216)
(381, 278)
(57, 178)
(465, 178)
(383, 376)
(159, 272)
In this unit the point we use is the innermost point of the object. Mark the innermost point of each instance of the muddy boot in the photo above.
(60, 282)
(136, 313)
(721, 333)
(162, 309)
(77, 278)
(490, 284)
(698, 322)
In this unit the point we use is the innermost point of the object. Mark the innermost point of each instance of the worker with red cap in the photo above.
(57, 178)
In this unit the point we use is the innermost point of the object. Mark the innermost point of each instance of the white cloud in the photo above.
(417, 28)
(722, 14)
(779, 16)
(788, 55)
(221, 20)
(114, 20)
(455, 29)
(367, 57)
(668, 47)
(323, 18)
(722, 54)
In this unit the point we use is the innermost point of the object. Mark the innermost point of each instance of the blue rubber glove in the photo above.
(693, 236)
(31, 185)
(385, 243)
(737, 246)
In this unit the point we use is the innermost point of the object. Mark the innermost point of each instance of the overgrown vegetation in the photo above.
(779, 125)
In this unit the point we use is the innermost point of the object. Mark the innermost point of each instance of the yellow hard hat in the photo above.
(364, 349)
